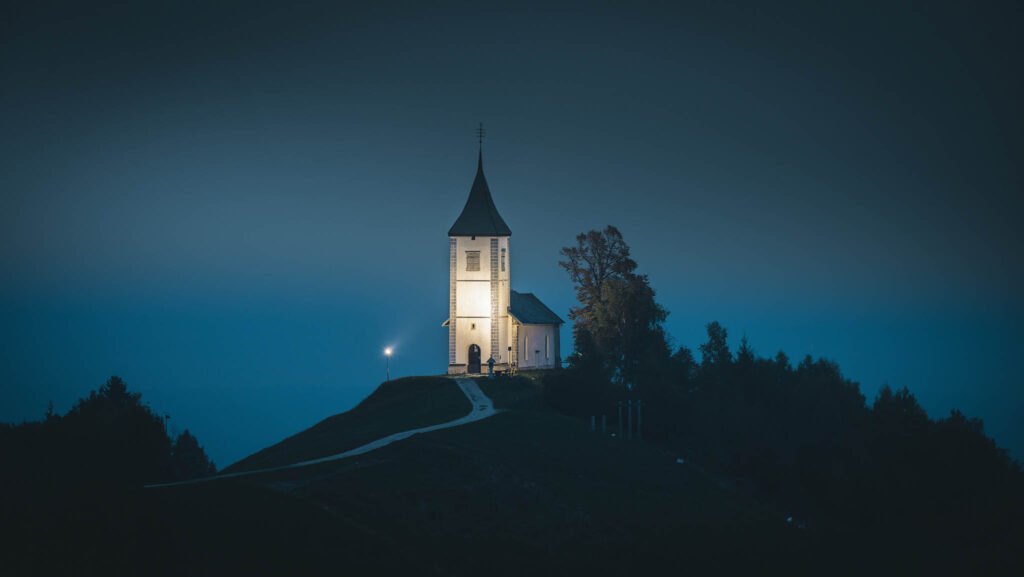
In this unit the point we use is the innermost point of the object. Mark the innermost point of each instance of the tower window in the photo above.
(472, 260)
(502, 260)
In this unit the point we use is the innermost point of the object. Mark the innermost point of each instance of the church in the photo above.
(487, 320)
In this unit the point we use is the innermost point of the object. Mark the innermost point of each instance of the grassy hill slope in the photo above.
(395, 406)
(205, 529)
(533, 490)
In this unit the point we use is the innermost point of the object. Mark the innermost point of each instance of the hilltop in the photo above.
(529, 489)
(395, 406)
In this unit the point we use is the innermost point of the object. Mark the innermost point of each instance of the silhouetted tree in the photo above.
(189, 459)
(899, 412)
(597, 257)
(684, 368)
(715, 352)
(781, 362)
(618, 323)
(116, 391)
(627, 330)
(745, 355)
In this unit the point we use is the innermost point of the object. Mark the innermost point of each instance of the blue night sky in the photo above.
(236, 208)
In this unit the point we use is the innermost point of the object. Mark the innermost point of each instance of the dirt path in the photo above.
(482, 409)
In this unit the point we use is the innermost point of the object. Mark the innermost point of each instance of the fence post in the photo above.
(620, 419)
(629, 419)
(639, 419)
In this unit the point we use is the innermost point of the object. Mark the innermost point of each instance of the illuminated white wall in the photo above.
(533, 353)
(474, 302)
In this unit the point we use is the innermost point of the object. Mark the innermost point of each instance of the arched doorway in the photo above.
(474, 360)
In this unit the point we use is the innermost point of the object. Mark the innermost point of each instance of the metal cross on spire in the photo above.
(480, 133)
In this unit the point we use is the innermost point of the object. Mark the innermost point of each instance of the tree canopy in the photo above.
(802, 438)
(108, 440)
(617, 323)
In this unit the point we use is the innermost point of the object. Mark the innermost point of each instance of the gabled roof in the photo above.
(479, 217)
(528, 310)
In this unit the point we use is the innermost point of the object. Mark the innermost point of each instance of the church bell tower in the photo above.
(479, 272)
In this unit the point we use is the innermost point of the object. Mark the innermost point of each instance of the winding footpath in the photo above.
(482, 409)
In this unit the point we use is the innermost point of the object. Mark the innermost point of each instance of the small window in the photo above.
(472, 260)
(502, 260)
(547, 347)
(527, 347)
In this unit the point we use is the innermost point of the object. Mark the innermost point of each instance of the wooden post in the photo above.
(629, 419)
(639, 419)
(620, 419)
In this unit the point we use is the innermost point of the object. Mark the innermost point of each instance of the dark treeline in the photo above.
(72, 499)
(801, 438)
(107, 442)
(72, 491)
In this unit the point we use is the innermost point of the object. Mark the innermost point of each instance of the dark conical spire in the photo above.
(480, 217)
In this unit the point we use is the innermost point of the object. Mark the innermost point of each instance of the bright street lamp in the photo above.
(387, 355)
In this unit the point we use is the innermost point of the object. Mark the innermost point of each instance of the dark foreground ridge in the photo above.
(528, 490)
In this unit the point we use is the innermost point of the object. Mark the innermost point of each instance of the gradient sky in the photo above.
(236, 208)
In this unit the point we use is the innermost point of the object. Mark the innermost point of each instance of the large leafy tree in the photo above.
(617, 323)
(599, 256)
